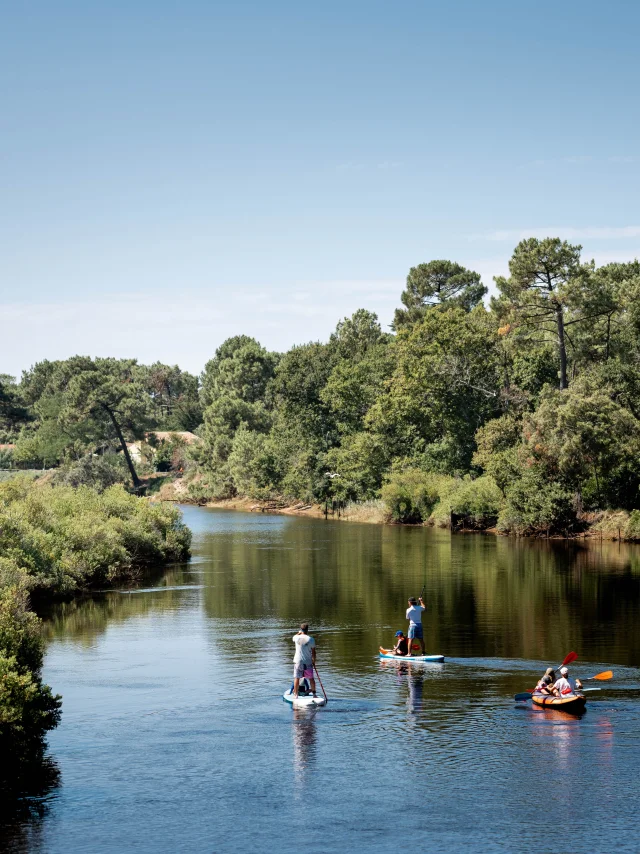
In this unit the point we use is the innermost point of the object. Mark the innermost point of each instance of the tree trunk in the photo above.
(125, 450)
(562, 347)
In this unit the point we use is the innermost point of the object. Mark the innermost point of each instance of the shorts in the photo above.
(415, 631)
(302, 671)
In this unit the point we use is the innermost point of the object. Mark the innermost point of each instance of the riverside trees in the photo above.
(539, 393)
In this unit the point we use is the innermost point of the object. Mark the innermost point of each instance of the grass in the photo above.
(373, 512)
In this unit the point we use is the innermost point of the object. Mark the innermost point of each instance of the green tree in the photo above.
(13, 411)
(241, 367)
(446, 384)
(579, 435)
(536, 291)
(438, 283)
(233, 389)
(356, 335)
(174, 396)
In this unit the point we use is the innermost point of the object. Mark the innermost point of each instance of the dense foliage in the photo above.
(57, 540)
(28, 709)
(64, 539)
(524, 413)
(528, 407)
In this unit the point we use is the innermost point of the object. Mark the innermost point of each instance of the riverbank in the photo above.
(603, 525)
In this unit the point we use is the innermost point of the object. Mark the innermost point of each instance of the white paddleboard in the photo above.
(303, 700)
(434, 659)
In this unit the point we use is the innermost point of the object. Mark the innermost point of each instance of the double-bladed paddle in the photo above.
(602, 677)
(526, 695)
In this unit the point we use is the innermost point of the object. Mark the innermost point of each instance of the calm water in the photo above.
(175, 738)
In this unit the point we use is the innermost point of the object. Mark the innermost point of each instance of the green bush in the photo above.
(98, 472)
(411, 495)
(67, 539)
(534, 505)
(477, 502)
(632, 528)
(28, 709)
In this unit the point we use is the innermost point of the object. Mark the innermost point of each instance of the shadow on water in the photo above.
(26, 792)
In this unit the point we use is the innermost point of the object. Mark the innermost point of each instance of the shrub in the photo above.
(67, 539)
(98, 472)
(27, 707)
(410, 495)
(536, 506)
(477, 502)
(632, 528)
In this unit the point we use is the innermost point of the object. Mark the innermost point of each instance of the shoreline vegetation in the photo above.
(56, 542)
(611, 525)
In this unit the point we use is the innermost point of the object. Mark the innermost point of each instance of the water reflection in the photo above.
(175, 737)
(305, 738)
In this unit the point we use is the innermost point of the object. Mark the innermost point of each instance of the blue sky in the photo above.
(175, 173)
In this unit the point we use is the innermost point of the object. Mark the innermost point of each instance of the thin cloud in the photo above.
(625, 232)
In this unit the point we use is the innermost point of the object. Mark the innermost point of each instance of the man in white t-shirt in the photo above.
(304, 659)
(414, 615)
(565, 685)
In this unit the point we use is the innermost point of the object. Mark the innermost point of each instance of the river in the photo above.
(175, 738)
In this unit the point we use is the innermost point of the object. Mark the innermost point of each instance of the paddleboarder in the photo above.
(414, 615)
(304, 660)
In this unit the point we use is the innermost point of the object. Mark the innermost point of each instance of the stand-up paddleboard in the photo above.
(304, 697)
(434, 659)
(303, 700)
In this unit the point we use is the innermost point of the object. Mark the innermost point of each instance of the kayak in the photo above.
(434, 659)
(303, 700)
(572, 703)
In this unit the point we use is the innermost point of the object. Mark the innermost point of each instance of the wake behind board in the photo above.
(434, 659)
(303, 700)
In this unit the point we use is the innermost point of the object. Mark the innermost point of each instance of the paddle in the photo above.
(326, 699)
(602, 677)
(526, 695)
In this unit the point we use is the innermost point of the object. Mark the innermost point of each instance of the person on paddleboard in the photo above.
(304, 659)
(414, 615)
(402, 644)
(565, 684)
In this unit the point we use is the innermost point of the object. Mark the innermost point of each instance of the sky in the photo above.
(173, 173)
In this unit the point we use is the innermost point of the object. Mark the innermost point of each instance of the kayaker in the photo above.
(414, 615)
(565, 684)
(304, 659)
(545, 685)
(402, 644)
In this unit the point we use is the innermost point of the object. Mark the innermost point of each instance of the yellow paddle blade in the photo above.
(606, 674)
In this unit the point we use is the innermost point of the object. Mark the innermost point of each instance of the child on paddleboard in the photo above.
(402, 644)
(414, 615)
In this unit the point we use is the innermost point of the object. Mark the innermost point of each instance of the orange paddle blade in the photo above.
(606, 674)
